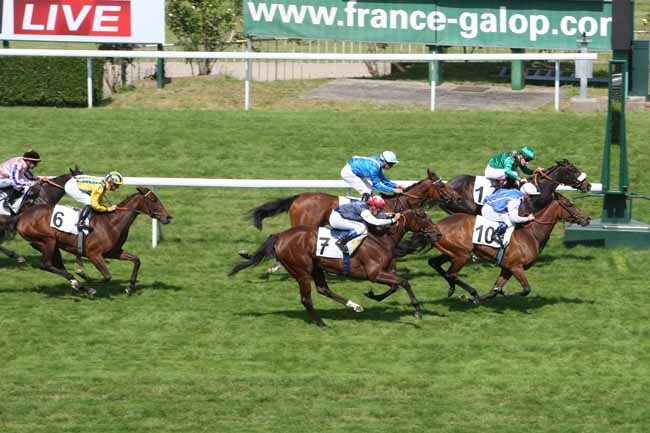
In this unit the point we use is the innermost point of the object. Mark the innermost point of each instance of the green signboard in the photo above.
(554, 24)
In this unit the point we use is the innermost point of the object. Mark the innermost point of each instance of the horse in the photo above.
(314, 208)
(49, 192)
(526, 244)
(108, 233)
(546, 181)
(295, 248)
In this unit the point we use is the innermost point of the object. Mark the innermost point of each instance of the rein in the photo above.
(50, 182)
(542, 173)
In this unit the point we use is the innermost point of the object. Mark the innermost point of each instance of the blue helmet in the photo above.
(389, 157)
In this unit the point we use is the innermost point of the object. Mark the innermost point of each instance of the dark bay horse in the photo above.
(546, 181)
(109, 232)
(525, 246)
(314, 208)
(296, 250)
(47, 193)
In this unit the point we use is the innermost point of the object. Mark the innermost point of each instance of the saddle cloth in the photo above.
(65, 218)
(326, 243)
(15, 206)
(484, 230)
(482, 188)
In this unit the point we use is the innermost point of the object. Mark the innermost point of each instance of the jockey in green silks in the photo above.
(503, 167)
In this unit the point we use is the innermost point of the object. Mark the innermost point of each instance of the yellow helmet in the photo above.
(115, 178)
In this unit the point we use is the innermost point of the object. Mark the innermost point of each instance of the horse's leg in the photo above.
(302, 275)
(134, 274)
(12, 255)
(393, 288)
(323, 289)
(392, 279)
(51, 258)
(457, 264)
(520, 275)
(501, 281)
(436, 263)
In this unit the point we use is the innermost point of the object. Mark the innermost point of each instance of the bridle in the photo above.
(574, 216)
(146, 196)
(416, 197)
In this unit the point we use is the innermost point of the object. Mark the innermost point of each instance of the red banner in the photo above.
(73, 17)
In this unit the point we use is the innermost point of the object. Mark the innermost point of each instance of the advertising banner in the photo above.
(548, 24)
(107, 21)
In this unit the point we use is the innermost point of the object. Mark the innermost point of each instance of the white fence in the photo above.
(248, 56)
(156, 230)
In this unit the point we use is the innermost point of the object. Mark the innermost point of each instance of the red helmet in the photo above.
(377, 201)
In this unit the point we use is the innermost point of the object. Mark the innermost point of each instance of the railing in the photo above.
(156, 229)
(248, 56)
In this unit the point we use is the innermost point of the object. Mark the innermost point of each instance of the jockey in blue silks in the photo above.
(365, 174)
(503, 207)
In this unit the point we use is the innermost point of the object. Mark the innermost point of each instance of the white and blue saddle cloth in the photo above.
(485, 230)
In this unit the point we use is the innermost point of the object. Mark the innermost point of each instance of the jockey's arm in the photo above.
(513, 212)
(18, 179)
(369, 218)
(527, 169)
(507, 167)
(96, 198)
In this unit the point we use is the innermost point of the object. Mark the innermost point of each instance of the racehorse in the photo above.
(109, 232)
(314, 208)
(47, 193)
(546, 181)
(526, 244)
(296, 250)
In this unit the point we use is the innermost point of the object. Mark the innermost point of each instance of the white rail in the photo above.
(156, 229)
(250, 56)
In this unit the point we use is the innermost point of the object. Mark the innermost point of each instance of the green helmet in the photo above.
(115, 178)
(528, 153)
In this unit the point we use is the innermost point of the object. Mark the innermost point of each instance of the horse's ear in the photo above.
(431, 174)
(142, 190)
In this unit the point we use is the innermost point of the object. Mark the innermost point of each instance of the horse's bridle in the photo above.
(574, 217)
(416, 197)
(543, 173)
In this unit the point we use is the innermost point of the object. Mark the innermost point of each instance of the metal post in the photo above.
(160, 69)
(584, 68)
(156, 227)
(247, 84)
(5, 44)
(517, 79)
(557, 85)
(433, 85)
(89, 81)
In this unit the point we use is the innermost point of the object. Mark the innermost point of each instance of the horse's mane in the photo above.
(407, 189)
(141, 191)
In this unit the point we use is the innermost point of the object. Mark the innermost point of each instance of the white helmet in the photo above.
(529, 188)
(389, 157)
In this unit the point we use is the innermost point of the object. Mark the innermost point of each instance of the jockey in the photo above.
(503, 207)
(17, 174)
(90, 190)
(503, 167)
(355, 215)
(365, 173)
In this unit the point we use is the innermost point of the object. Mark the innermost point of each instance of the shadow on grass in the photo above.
(378, 313)
(104, 290)
(502, 304)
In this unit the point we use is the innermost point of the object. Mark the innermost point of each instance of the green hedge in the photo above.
(52, 81)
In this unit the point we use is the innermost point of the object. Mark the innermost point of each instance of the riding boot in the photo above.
(500, 232)
(81, 228)
(342, 243)
(12, 196)
(365, 196)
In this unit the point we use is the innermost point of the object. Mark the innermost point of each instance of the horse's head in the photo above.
(417, 221)
(152, 206)
(570, 212)
(443, 193)
(566, 173)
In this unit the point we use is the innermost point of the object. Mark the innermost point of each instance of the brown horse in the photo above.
(109, 232)
(47, 193)
(526, 244)
(546, 181)
(296, 250)
(314, 208)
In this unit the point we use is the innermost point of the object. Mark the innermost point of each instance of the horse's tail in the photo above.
(269, 209)
(8, 228)
(266, 250)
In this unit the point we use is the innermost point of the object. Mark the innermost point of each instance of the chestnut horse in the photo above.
(314, 208)
(296, 250)
(546, 181)
(526, 244)
(49, 192)
(109, 232)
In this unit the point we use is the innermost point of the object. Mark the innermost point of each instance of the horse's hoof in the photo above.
(450, 292)
(475, 300)
(273, 269)
(370, 294)
(129, 291)
(21, 260)
(418, 315)
(463, 299)
(90, 292)
(244, 254)
(355, 307)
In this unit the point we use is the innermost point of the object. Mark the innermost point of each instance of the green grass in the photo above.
(199, 352)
